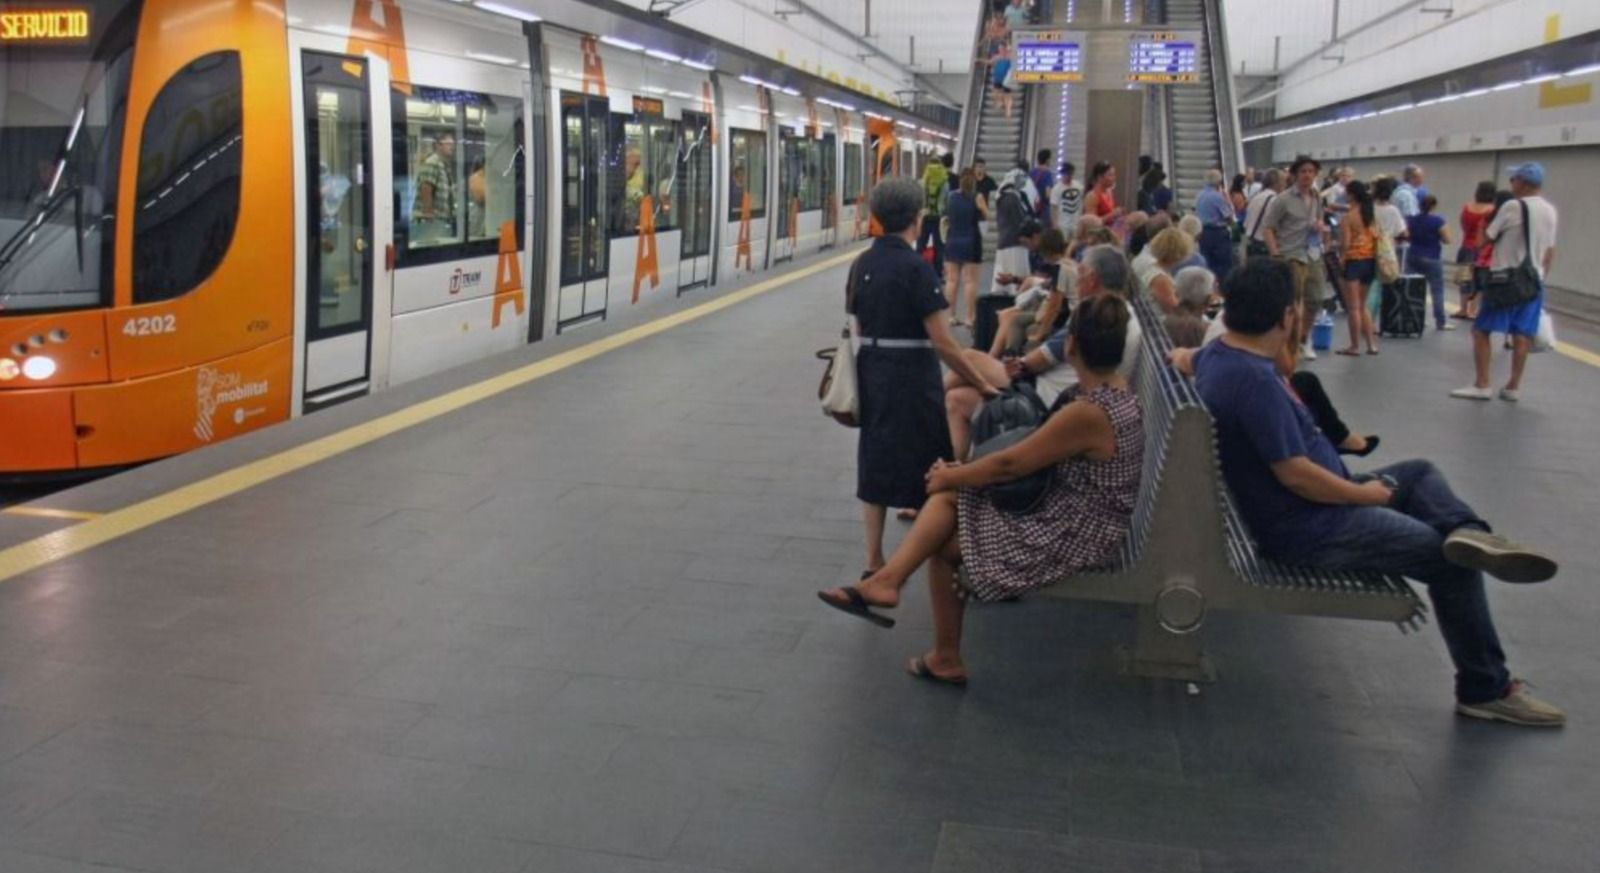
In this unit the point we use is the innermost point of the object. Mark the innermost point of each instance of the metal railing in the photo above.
(1230, 142)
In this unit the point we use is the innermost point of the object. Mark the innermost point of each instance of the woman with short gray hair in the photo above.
(899, 320)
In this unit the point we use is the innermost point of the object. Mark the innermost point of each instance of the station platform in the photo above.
(554, 612)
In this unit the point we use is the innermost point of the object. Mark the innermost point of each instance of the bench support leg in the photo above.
(1161, 654)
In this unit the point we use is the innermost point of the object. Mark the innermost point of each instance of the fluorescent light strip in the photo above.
(697, 65)
(790, 91)
(1583, 71)
(622, 43)
(1544, 78)
(493, 59)
(665, 56)
(508, 11)
(681, 95)
(871, 114)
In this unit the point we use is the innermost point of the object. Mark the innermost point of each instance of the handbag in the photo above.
(1388, 261)
(1514, 286)
(1256, 248)
(1019, 496)
(837, 391)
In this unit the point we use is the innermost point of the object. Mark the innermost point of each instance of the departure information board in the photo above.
(1047, 56)
(1164, 57)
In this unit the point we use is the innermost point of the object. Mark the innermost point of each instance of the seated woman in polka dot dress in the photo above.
(1096, 443)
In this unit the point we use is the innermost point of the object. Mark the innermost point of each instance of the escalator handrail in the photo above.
(1229, 139)
(972, 112)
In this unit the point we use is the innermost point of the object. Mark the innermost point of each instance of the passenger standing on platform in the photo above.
(1215, 212)
(1429, 234)
(1017, 14)
(1255, 238)
(1043, 180)
(899, 319)
(963, 251)
(1391, 226)
(1237, 197)
(1475, 218)
(1531, 216)
(1103, 193)
(1012, 211)
(986, 187)
(1094, 443)
(1296, 232)
(1358, 241)
(935, 188)
(1304, 507)
(1067, 200)
(1408, 194)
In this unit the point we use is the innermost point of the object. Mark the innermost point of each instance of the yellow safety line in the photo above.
(41, 551)
(1578, 354)
(39, 512)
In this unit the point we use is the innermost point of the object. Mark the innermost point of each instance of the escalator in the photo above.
(1201, 123)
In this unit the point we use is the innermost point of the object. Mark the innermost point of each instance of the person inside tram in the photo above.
(634, 189)
(1302, 505)
(736, 191)
(434, 211)
(1092, 447)
(477, 199)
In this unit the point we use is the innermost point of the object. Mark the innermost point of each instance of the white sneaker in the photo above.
(1510, 395)
(1449, 325)
(1518, 707)
(1473, 392)
(1308, 353)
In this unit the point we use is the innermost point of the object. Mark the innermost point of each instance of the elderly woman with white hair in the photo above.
(899, 319)
(1187, 324)
(1216, 214)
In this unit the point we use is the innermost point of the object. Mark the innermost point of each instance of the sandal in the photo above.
(906, 514)
(856, 605)
(1372, 351)
(919, 668)
(1349, 353)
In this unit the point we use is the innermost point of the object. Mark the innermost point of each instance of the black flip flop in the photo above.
(918, 667)
(856, 605)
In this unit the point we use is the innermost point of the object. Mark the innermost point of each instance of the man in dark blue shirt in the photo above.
(1305, 508)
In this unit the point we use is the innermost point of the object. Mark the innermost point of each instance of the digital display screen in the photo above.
(1164, 57)
(1047, 56)
(44, 25)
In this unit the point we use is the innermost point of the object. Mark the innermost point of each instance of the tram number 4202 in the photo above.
(150, 325)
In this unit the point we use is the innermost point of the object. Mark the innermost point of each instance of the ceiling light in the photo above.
(790, 91)
(1583, 71)
(1543, 78)
(698, 65)
(622, 43)
(665, 56)
(507, 11)
(493, 59)
(1507, 86)
(681, 95)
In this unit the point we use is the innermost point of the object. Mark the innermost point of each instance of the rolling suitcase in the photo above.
(1405, 305)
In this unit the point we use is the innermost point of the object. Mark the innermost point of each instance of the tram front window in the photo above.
(63, 93)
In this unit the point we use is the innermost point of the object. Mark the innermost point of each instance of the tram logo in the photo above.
(215, 389)
(461, 280)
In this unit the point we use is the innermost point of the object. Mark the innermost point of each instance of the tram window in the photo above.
(829, 154)
(458, 173)
(644, 162)
(747, 150)
(694, 183)
(852, 172)
(811, 175)
(187, 200)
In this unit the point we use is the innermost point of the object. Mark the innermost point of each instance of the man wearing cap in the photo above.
(1295, 231)
(1520, 321)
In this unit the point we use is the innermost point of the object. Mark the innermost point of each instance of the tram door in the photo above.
(788, 194)
(585, 224)
(694, 199)
(339, 228)
(830, 190)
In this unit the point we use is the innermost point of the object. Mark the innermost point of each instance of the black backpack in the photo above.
(1003, 422)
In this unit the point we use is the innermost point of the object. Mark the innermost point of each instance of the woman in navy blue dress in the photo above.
(899, 317)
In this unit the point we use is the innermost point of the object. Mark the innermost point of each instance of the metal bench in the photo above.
(1189, 552)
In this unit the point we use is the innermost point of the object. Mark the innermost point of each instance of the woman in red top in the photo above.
(1475, 250)
(1102, 193)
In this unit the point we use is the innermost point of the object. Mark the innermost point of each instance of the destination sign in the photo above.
(1047, 56)
(1164, 57)
(44, 25)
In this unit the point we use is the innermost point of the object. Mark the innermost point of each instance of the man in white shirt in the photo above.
(1255, 239)
(1407, 195)
(1067, 198)
(1526, 222)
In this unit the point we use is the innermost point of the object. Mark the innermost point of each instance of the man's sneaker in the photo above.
(1499, 557)
(1473, 392)
(1517, 707)
(1510, 395)
(1308, 352)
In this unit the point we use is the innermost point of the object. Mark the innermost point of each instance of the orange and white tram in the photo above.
(218, 214)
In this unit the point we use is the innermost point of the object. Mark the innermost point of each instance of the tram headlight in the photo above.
(9, 370)
(39, 368)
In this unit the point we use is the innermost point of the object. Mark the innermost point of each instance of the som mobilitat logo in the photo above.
(214, 389)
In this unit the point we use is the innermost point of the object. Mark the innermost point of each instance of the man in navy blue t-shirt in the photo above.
(1305, 508)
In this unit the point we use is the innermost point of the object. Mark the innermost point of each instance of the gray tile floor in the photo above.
(572, 629)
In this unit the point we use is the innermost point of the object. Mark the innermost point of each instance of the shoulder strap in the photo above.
(1527, 233)
(1262, 215)
(854, 280)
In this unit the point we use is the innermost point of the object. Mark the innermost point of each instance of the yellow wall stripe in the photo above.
(41, 551)
(39, 512)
